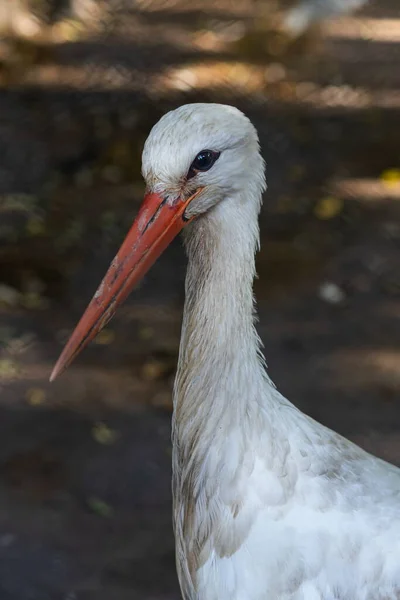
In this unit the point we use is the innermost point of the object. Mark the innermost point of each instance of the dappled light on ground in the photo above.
(374, 30)
(370, 190)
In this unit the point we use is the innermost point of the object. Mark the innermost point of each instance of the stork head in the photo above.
(206, 152)
(194, 158)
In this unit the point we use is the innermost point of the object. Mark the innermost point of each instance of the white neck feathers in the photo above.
(221, 376)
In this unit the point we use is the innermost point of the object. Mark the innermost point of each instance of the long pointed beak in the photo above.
(157, 224)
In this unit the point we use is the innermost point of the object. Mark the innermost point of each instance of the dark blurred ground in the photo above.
(85, 462)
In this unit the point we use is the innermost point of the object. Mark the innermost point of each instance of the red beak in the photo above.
(157, 224)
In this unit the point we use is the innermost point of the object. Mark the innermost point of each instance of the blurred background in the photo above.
(85, 462)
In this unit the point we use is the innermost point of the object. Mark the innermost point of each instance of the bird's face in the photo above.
(200, 154)
(194, 158)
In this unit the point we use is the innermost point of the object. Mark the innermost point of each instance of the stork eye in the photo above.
(203, 162)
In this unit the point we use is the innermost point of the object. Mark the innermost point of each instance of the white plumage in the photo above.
(308, 12)
(268, 503)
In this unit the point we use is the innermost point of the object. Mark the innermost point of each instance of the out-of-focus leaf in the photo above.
(35, 301)
(154, 369)
(328, 208)
(146, 333)
(17, 202)
(20, 344)
(105, 337)
(36, 396)
(103, 434)
(390, 177)
(8, 369)
(68, 30)
(9, 296)
(35, 227)
(100, 507)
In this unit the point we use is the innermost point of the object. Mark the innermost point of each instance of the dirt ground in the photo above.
(85, 462)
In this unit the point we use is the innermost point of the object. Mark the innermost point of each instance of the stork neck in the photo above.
(219, 281)
(219, 360)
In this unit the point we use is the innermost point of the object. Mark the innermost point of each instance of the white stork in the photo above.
(268, 503)
(308, 12)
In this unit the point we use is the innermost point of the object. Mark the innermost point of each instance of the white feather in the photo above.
(268, 504)
(307, 12)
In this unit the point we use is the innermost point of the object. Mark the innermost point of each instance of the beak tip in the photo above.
(55, 372)
(53, 376)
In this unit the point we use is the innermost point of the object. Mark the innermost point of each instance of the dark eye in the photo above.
(203, 162)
